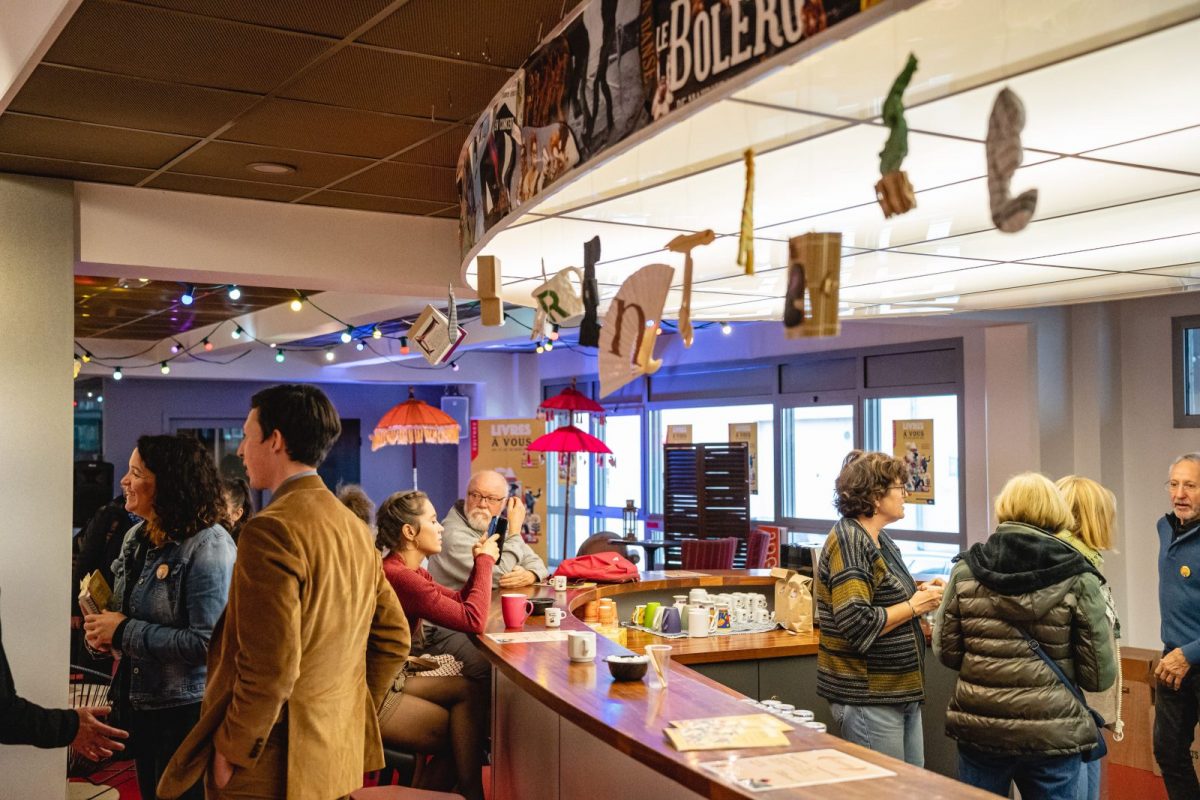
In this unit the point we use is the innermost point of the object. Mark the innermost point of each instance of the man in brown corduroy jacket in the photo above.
(311, 637)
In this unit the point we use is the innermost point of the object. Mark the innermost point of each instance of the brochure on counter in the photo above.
(792, 770)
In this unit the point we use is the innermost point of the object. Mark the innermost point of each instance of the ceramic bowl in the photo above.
(628, 668)
(540, 604)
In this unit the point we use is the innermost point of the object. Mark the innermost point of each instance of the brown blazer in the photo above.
(311, 638)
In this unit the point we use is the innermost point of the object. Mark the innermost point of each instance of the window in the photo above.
(820, 438)
(1185, 351)
(942, 515)
(713, 424)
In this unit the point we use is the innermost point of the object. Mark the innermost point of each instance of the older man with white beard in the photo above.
(487, 496)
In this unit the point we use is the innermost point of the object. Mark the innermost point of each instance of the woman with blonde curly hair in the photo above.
(1095, 511)
(871, 657)
(1022, 591)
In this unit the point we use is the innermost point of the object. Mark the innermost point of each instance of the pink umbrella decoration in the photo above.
(414, 422)
(568, 440)
(569, 402)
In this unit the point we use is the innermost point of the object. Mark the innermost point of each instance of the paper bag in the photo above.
(793, 600)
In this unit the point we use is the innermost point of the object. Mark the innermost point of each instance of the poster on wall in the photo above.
(912, 441)
(609, 71)
(679, 434)
(747, 432)
(500, 444)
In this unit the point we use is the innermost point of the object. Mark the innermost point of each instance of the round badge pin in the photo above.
(162, 572)
(1185, 571)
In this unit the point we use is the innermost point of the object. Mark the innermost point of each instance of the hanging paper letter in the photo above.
(630, 327)
(1010, 214)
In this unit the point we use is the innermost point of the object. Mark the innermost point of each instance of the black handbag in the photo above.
(1101, 749)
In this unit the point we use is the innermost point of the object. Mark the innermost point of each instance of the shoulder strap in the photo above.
(1036, 647)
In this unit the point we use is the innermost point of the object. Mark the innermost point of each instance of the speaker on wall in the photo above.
(93, 488)
(459, 407)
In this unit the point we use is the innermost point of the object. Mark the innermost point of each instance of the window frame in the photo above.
(1179, 373)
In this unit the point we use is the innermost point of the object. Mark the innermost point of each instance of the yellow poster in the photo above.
(747, 432)
(912, 441)
(500, 444)
(679, 434)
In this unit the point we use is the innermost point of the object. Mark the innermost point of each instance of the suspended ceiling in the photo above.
(1112, 143)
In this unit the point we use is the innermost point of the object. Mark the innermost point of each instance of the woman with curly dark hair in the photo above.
(239, 507)
(170, 584)
(871, 657)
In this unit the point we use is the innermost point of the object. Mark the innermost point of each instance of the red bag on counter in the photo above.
(605, 567)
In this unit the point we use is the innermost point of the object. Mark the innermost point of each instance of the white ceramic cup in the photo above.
(762, 616)
(741, 616)
(699, 622)
(554, 617)
(656, 623)
(581, 645)
(697, 595)
(560, 583)
(760, 601)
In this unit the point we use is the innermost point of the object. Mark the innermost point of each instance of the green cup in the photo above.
(651, 610)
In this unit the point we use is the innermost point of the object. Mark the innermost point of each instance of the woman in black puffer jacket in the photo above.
(1012, 717)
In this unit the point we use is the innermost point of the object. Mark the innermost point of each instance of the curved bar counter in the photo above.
(567, 730)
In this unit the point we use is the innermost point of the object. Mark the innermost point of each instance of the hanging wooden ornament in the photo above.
(814, 266)
(894, 192)
(684, 243)
(1010, 214)
(589, 328)
(745, 257)
(491, 308)
(628, 336)
(451, 316)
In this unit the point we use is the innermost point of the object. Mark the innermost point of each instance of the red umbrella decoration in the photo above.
(566, 441)
(414, 422)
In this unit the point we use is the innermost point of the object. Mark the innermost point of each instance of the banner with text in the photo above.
(500, 444)
(912, 441)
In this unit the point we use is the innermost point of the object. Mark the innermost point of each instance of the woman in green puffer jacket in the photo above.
(1012, 717)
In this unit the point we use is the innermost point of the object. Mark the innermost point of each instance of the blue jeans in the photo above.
(1175, 716)
(1089, 780)
(894, 730)
(1052, 778)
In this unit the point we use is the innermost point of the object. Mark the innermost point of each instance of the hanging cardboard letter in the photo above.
(431, 335)
(589, 329)
(814, 266)
(1010, 214)
(491, 307)
(631, 327)
(557, 299)
(684, 243)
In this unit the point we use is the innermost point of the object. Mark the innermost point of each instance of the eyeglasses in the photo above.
(903, 489)
(1187, 486)
(475, 498)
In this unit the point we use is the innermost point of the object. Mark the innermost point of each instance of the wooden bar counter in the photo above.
(568, 731)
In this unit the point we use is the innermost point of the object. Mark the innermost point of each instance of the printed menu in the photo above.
(791, 770)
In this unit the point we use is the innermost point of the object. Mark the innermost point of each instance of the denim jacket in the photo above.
(173, 608)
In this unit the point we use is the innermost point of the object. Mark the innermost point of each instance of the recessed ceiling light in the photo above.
(271, 168)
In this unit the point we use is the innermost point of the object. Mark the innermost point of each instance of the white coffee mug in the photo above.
(560, 583)
(581, 645)
(699, 622)
(762, 616)
(656, 623)
(697, 595)
(554, 617)
(760, 601)
(741, 616)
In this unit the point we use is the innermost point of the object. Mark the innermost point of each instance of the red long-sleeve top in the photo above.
(422, 598)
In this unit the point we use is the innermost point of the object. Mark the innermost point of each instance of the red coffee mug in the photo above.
(516, 608)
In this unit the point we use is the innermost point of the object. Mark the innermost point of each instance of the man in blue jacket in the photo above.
(1177, 707)
(23, 722)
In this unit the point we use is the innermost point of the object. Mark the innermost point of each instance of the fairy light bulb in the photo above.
(454, 366)
(376, 333)
(297, 304)
(279, 356)
(726, 328)
(189, 295)
(235, 293)
(208, 346)
(165, 369)
(540, 348)
(237, 332)
(403, 345)
(554, 332)
(347, 335)
(329, 355)
(549, 345)
(360, 345)
(117, 374)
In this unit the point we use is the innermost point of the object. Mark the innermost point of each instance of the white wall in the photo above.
(36, 258)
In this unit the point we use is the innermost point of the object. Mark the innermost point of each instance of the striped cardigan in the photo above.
(856, 663)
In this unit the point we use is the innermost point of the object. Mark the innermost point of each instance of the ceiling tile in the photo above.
(442, 151)
(1176, 150)
(370, 202)
(1076, 290)
(307, 16)
(230, 160)
(222, 186)
(411, 181)
(959, 281)
(143, 41)
(1153, 254)
(446, 29)
(107, 99)
(51, 168)
(329, 129)
(362, 78)
(76, 141)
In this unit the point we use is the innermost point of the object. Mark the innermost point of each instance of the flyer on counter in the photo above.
(727, 733)
(792, 770)
(527, 637)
